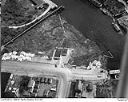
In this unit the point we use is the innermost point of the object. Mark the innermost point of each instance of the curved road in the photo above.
(51, 6)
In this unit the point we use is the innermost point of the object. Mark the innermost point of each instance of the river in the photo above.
(93, 24)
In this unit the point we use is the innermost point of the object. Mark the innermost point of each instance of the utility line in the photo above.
(57, 10)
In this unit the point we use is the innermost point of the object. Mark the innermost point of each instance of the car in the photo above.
(99, 76)
(36, 86)
(35, 90)
(49, 81)
(42, 80)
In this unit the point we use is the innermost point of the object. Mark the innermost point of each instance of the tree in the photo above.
(13, 12)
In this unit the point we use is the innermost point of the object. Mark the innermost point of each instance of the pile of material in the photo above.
(18, 56)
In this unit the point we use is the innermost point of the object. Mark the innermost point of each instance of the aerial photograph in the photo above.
(64, 48)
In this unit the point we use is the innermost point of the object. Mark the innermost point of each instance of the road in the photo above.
(51, 6)
(65, 75)
(40, 69)
(95, 25)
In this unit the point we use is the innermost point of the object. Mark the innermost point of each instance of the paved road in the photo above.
(51, 6)
(94, 25)
(39, 69)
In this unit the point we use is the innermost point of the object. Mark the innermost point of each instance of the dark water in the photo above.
(95, 25)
